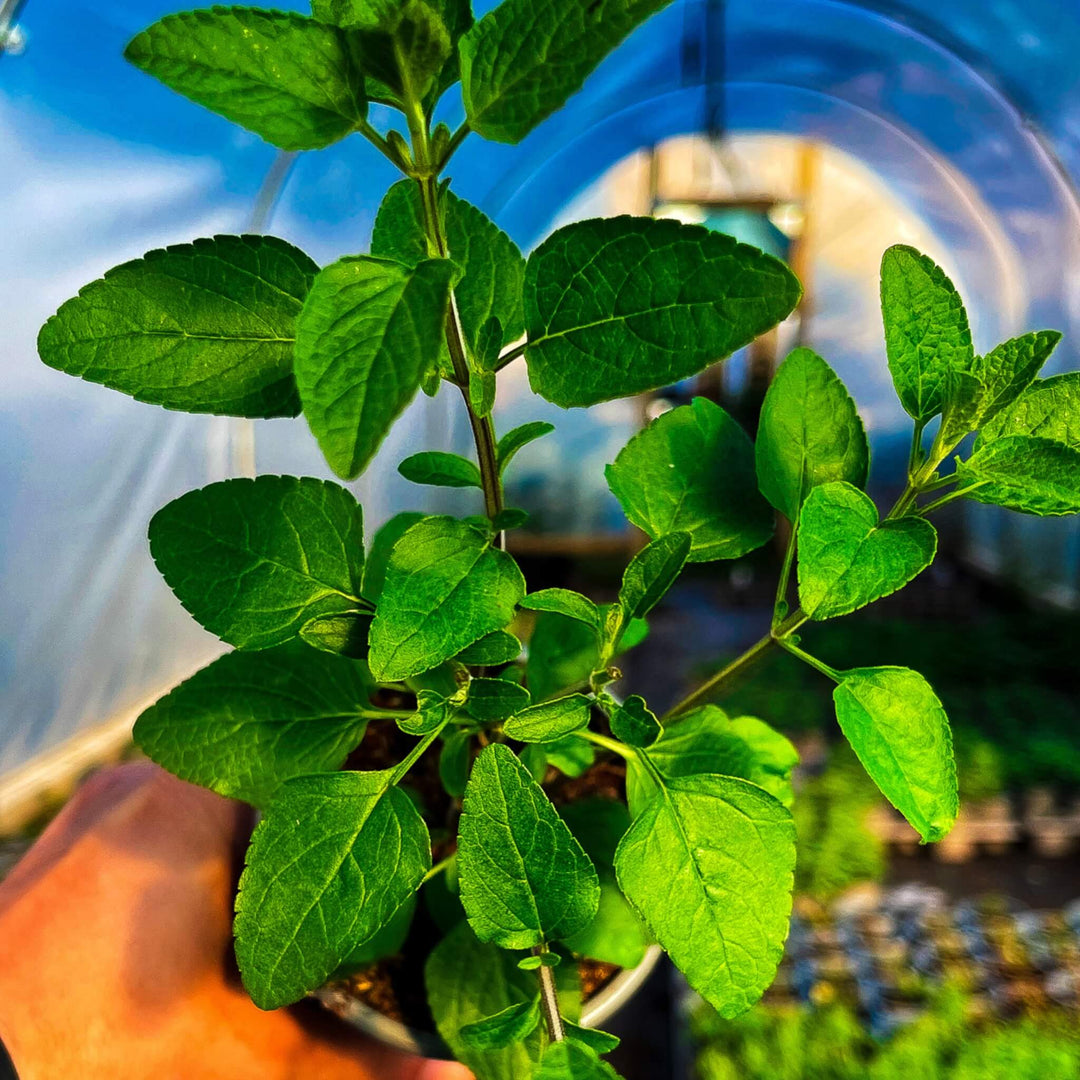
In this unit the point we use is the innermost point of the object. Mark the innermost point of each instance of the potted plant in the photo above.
(407, 647)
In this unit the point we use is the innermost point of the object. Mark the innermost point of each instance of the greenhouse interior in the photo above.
(681, 745)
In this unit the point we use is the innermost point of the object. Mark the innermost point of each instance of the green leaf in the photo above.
(534, 758)
(252, 720)
(705, 740)
(566, 602)
(897, 727)
(524, 878)
(550, 721)
(571, 755)
(692, 470)
(510, 518)
(385, 943)
(455, 758)
(446, 587)
(847, 559)
(491, 266)
(345, 634)
(519, 437)
(634, 723)
(926, 330)
(521, 62)
(511, 1025)
(289, 79)
(1030, 475)
(206, 327)
(431, 713)
(709, 865)
(651, 572)
(368, 331)
(540, 960)
(441, 470)
(492, 649)
(562, 654)
(254, 560)
(573, 1060)
(379, 556)
(618, 306)
(1048, 409)
(330, 864)
(809, 434)
(591, 1038)
(495, 699)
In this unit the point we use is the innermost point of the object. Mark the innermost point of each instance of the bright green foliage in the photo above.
(809, 434)
(634, 723)
(455, 759)
(440, 469)
(495, 699)
(648, 302)
(563, 652)
(446, 587)
(566, 602)
(345, 634)
(385, 943)
(519, 437)
(573, 1060)
(1032, 475)
(591, 1038)
(492, 649)
(652, 571)
(521, 62)
(897, 727)
(250, 721)
(511, 1025)
(368, 331)
(291, 80)
(379, 556)
(550, 721)
(1048, 409)
(432, 711)
(692, 470)
(848, 559)
(926, 330)
(254, 560)
(707, 741)
(202, 327)
(571, 755)
(709, 864)
(329, 865)
(524, 878)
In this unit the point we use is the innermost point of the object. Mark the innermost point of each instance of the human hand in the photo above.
(116, 951)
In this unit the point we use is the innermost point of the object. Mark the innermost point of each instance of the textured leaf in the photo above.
(573, 1060)
(562, 655)
(809, 433)
(381, 545)
(550, 721)
(926, 330)
(524, 878)
(254, 560)
(1032, 475)
(634, 723)
(432, 711)
(492, 649)
(522, 61)
(565, 602)
(345, 634)
(495, 699)
(289, 79)
(330, 864)
(511, 1025)
(252, 720)
(897, 727)
(571, 756)
(446, 587)
(618, 306)
(441, 470)
(707, 741)
(202, 327)
(1049, 409)
(847, 559)
(519, 437)
(692, 470)
(368, 331)
(651, 572)
(709, 865)
(385, 943)
(455, 759)
(591, 1038)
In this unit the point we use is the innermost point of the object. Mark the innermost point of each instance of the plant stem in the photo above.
(510, 356)
(915, 457)
(439, 867)
(385, 714)
(378, 142)
(806, 658)
(613, 745)
(549, 997)
(708, 688)
(456, 140)
(780, 606)
(416, 753)
(946, 499)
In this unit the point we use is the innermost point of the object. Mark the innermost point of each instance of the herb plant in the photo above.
(702, 858)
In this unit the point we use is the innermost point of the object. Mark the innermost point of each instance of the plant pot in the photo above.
(594, 1013)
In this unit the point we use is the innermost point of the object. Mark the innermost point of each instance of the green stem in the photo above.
(940, 482)
(707, 689)
(510, 356)
(780, 605)
(416, 753)
(806, 658)
(613, 745)
(456, 140)
(946, 499)
(378, 142)
(386, 714)
(439, 867)
(549, 997)
(915, 457)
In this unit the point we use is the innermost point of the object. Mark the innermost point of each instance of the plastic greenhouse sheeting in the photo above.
(968, 110)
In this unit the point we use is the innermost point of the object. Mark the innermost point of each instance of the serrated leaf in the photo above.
(386, 942)
(634, 723)
(250, 721)
(809, 433)
(926, 330)
(492, 649)
(519, 437)
(692, 470)
(898, 728)
(847, 559)
(382, 544)
(573, 1059)
(441, 470)
(550, 721)
(618, 306)
(705, 740)
(446, 587)
(591, 1038)
(511, 1025)
(432, 711)
(455, 759)
(254, 560)
(651, 572)
(345, 634)
(368, 331)
(1048, 409)
(521, 62)
(291, 80)
(330, 864)
(495, 699)
(709, 865)
(571, 755)
(206, 327)
(562, 654)
(524, 879)
(566, 602)
(482, 392)
(1030, 475)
